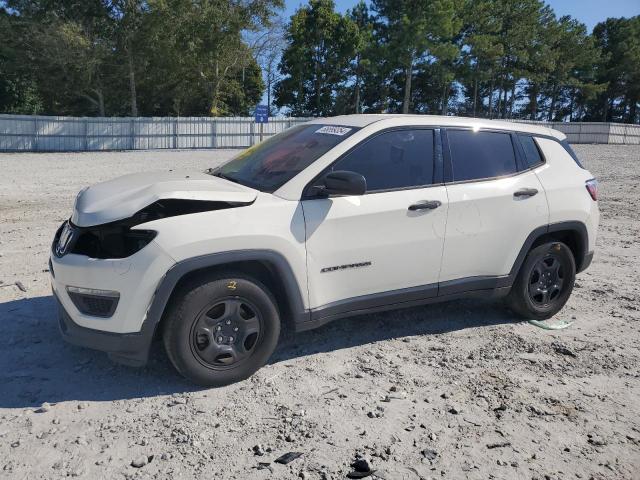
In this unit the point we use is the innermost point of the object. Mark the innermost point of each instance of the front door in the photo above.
(389, 241)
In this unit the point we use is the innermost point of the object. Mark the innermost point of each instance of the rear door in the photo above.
(385, 240)
(495, 202)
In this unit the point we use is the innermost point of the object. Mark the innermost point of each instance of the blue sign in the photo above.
(262, 114)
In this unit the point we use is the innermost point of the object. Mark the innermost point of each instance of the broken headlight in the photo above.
(114, 240)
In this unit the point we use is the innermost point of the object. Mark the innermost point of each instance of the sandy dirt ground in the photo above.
(452, 391)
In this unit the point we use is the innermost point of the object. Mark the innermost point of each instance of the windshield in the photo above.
(272, 163)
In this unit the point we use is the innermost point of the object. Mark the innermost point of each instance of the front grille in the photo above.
(94, 305)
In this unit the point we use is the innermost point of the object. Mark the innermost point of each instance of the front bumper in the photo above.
(124, 333)
(586, 262)
(135, 279)
(126, 348)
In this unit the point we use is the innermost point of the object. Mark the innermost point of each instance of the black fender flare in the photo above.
(583, 256)
(179, 270)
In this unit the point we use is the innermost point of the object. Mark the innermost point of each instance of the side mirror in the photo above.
(342, 182)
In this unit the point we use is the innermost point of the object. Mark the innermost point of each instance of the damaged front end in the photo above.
(106, 215)
(118, 239)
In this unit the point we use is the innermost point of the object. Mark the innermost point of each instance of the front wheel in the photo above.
(221, 330)
(544, 282)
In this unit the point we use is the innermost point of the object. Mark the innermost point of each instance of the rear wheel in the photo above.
(221, 330)
(544, 282)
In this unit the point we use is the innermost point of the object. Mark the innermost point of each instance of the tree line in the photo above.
(132, 57)
(485, 58)
(488, 58)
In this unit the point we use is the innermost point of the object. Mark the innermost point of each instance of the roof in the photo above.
(364, 120)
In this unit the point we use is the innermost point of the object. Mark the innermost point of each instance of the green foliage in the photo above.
(131, 57)
(417, 31)
(317, 59)
(487, 58)
(18, 93)
(619, 40)
(491, 58)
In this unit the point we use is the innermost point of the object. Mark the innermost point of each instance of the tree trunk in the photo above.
(475, 95)
(513, 99)
(269, 91)
(633, 110)
(408, 71)
(499, 109)
(97, 102)
(101, 103)
(533, 100)
(318, 86)
(611, 110)
(605, 109)
(357, 86)
(132, 85)
(443, 108)
(505, 102)
(491, 98)
(572, 104)
(552, 107)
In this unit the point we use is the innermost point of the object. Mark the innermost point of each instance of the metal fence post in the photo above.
(35, 133)
(175, 133)
(214, 133)
(85, 134)
(132, 134)
(580, 133)
(253, 132)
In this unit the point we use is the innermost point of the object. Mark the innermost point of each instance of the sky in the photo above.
(590, 12)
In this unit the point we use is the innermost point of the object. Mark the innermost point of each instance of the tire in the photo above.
(537, 293)
(220, 330)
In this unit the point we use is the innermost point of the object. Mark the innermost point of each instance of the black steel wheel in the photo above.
(226, 332)
(221, 330)
(544, 283)
(546, 279)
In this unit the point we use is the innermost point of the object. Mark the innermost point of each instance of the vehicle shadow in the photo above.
(37, 366)
(404, 323)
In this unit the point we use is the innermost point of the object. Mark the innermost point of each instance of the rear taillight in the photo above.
(592, 188)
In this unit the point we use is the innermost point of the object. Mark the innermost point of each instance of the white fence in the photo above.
(23, 133)
(45, 134)
(594, 132)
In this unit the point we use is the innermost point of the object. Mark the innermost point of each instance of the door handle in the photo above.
(425, 205)
(525, 192)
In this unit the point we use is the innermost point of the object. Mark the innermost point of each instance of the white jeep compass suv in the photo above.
(332, 218)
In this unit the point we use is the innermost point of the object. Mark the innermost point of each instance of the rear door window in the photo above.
(531, 153)
(480, 155)
(393, 160)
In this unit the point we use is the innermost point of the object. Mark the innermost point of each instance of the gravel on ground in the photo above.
(449, 391)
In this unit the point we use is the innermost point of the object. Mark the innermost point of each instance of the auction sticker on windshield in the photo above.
(331, 130)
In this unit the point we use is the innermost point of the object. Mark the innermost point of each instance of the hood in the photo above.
(125, 196)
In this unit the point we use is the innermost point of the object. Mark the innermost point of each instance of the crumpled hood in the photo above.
(122, 197)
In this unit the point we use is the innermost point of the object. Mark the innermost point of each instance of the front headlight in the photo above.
(111, 241)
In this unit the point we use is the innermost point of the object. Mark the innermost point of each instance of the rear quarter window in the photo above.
(532, 154)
